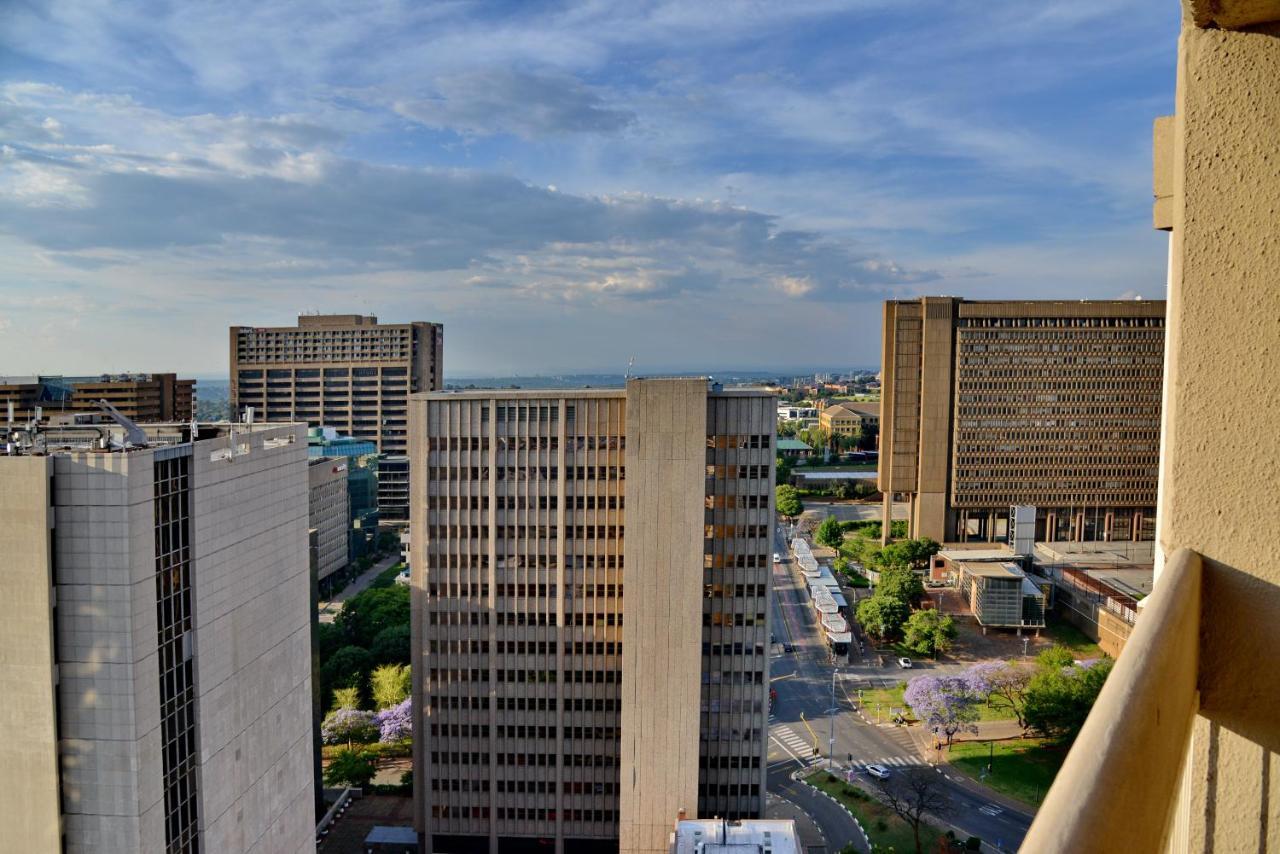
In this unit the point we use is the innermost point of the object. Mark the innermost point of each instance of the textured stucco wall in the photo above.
(1220, 472)
(29, 755)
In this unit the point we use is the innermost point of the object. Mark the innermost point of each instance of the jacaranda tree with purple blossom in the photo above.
(946, 704)
(352, 726)
(396, 723)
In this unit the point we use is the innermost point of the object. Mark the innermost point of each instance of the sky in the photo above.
(566, 186)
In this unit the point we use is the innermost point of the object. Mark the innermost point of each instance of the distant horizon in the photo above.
(551, 375)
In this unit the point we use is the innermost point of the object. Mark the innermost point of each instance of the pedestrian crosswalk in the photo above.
(889, 762)
(990, 809)
(792, 742)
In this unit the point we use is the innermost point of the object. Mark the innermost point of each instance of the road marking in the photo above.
(990, 809)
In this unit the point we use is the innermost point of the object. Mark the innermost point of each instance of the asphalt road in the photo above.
(805, 716)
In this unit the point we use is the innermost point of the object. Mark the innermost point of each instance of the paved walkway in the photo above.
(329, 609)
(811, 838)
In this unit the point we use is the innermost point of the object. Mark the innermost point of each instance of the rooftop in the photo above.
(993, 569)
(718, 836)
(793, 445)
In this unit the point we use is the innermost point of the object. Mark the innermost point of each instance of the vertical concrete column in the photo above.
(936, 385)
(1219, 472)
(662, 625)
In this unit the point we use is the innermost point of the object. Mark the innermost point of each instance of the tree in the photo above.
(912, 794)
(389, 685)
(947, 704)
(899, 583)
(782, 470)
(329, 638)
(391, 646)
(1005, 685)
(350, 768)
(787, 501)
(830, 533)
(395, 723)
(371, 611)
(1055, 658)
(1059, 699)
(928, 632)
(788, 429)
(882, 616)
(349, 725)
(346, 698)
(347, 668)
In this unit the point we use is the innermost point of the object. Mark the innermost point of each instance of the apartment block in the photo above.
(1051, 404)
(344, 371)
(155, 673)
(542, 519)
(159, 398)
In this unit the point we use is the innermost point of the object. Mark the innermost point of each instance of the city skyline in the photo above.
(683, 186)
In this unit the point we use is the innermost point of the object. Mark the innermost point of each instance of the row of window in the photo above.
(543, 532)
(526, 502)
(525, 473)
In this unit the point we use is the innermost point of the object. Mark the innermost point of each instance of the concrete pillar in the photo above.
(1219, 473)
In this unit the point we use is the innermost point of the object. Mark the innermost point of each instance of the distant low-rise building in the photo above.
(720, 836)
(849, 418)
(794, 449)
(1001, 595)
(1097, 586)
(142, 398)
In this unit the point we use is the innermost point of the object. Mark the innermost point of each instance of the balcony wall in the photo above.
(1215, 615)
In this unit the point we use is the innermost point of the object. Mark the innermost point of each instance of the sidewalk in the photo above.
(329, 609)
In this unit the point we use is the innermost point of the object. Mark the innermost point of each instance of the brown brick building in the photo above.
(1051, 404)
(344, 371)
(543, 715)
(144, 398)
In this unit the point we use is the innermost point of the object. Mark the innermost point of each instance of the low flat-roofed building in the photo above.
(1001, 595)
(1098, 589)
(718, 836)
(794, 449)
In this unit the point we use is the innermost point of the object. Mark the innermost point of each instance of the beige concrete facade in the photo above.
(180, 612)
(344, 371)
(661, 638)
(30, 813)
(527, 675)
(1052, 404)
(849, 419)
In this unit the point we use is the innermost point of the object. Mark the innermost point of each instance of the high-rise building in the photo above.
(393, 489)
(344, 371)
(361, 457)
(156, 398)
(155, 675)
(329, 515)
(1051, 404)
(543, 715)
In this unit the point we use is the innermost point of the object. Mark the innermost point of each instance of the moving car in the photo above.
(904, 663)
(777, 558)
(878, 771)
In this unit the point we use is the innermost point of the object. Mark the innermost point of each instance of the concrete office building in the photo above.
(544, 715)
(139, 397)
(344, 371)
(393, 489)
(328, 515)
(155, 665)
(719, 836)
(361, 457)
(1051, 404)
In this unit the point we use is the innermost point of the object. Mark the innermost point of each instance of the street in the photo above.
(814, 711)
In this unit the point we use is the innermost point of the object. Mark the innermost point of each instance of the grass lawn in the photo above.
(882, 825)
(1022, 768)
(387, 577)
(1063, 633)
(892, 698)
(838, 467)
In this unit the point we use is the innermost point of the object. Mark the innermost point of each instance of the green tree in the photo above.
(899, 582)
(347, 668)
(330, 639)
(830, 532)
(787, 501)
(389, 685)
(371, 611)
(782, 471)
(788, 429)
(882, 616)
(1059, 699)
(346, 698)
(928, 632)
(1055, 658)
(391, 646)
(350, 768)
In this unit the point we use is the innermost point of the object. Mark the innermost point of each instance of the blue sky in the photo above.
(565, 185)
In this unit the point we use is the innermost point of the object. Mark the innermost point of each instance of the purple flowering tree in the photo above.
(1003, 684)
(348, 725)
(946, 704)
(395, 723)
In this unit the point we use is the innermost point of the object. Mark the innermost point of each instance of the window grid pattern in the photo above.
(177, 679)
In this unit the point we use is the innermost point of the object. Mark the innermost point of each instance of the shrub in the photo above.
(351, 768)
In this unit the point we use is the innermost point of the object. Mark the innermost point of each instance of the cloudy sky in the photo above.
(700, 185)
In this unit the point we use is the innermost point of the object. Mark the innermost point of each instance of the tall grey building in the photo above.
(591, 622)
(155, 653)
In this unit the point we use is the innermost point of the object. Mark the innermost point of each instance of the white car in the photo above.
(878, 771)
(904, 663)
(777, 558)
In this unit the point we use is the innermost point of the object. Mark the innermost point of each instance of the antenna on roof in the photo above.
(133, 434)
(630, 364)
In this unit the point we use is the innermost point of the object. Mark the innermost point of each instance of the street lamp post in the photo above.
(831, 739)
(1025, 641)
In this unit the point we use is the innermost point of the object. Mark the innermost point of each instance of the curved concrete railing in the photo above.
(1118, 788)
